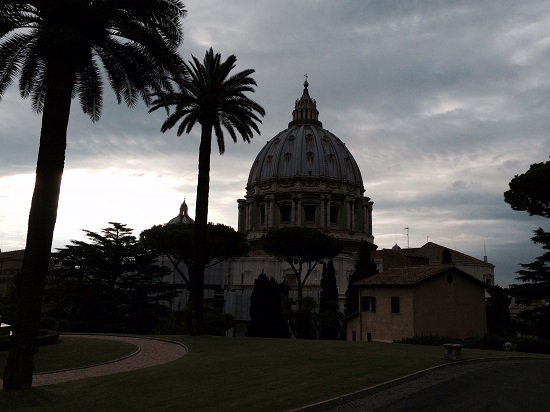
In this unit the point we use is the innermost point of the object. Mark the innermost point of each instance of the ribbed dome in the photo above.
(182, 217)
(305, 151)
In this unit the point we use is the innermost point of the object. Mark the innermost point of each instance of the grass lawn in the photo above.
(73, 352)
(235, 374)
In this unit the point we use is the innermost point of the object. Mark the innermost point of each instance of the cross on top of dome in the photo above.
(305, 110)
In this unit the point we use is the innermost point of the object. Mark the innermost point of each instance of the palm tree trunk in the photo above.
(196, 274)
(42, 217)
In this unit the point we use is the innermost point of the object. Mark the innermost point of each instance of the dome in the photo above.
(306, 176)
(183, 217)
(305, 151)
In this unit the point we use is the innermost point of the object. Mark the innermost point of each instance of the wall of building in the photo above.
(452, 307)
(383, 325)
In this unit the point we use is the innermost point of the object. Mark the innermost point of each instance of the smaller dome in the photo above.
(183, 217)
(396, 247)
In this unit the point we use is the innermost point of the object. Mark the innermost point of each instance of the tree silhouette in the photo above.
(329, 309)
(214, 98)
(364, 267)
(302, 248)
(266, 309)
(57, 49)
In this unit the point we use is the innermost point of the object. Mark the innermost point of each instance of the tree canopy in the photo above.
(530, 191)
(302, 248)
(176, 242)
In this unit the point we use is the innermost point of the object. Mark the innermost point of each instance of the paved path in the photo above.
(149, 352)
(496, 385)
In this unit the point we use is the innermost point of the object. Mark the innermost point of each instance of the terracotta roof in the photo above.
(434, 252)
(408, 276)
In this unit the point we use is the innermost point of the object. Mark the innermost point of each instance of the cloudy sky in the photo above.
(441, 103)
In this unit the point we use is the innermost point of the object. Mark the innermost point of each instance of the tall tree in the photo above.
(364, 267)
(215, 99)
(530, 192)
(329, 309)
(499, 321)
(302, 248)
(266, 309)
(111, 282)
(57, 49)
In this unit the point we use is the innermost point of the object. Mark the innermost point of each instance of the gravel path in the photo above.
(149, 352)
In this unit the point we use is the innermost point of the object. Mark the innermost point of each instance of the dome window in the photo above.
(334, 215)
(285, 210)
(288, 155)
(309, 213)
(309, 156)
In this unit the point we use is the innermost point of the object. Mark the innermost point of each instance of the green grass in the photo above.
(74, 352)
(235, 374)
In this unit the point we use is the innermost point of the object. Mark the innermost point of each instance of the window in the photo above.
(333, 214)
(309, 213)
(262, 215)
(395, 304)
(368, 304)
(285, 213)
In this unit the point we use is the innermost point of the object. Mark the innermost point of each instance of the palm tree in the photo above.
(216, 100)
(57, 48)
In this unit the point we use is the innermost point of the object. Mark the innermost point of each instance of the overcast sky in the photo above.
(440, 102)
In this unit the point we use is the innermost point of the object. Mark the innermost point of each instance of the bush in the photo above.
(429, 340)
(175, 324)
(178, 323)
(526, 344)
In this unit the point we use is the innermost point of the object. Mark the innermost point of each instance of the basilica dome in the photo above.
(306, 176)
(305, 151)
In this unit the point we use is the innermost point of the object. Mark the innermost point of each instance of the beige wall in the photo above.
(384, 325)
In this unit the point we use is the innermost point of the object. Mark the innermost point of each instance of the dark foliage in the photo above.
(176, 242)
(364, 267)
(329, 316)
(530, 192)
(525, 344)
(535, 276)
(498, 313)
(302, 248)
(266, 309)
(111, 284)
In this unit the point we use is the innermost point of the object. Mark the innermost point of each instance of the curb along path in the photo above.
(150, 352)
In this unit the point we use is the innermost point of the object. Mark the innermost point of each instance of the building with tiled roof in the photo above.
(404, 302)
(432, 254)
